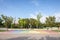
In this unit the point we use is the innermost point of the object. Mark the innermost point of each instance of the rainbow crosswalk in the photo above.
(31, 32)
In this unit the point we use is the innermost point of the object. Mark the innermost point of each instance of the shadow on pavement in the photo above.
(52, 38)
(42, 38)
(19, 38)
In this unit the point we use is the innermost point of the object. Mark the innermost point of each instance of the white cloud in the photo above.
(43, 19)
(32, 16)
(35, 14)
(57, 15)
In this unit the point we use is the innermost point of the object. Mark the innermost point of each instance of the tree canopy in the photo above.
(7, 22)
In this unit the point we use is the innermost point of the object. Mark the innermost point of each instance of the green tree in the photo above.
(38, 19)
(10, 21)
(57, 24)
(24, 22)
(20, 21)
(7, 21)
(1, 24)
(50, 21)
(33, 23)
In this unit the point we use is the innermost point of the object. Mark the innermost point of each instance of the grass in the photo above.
(2, 30)
(56, 30)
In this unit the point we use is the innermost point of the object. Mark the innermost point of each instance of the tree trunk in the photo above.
(7, 28)
(58, 28)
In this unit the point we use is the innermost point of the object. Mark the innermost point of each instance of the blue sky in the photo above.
(29, 8)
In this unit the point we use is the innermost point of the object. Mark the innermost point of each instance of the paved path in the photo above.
(51, 32)
(30, 36)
